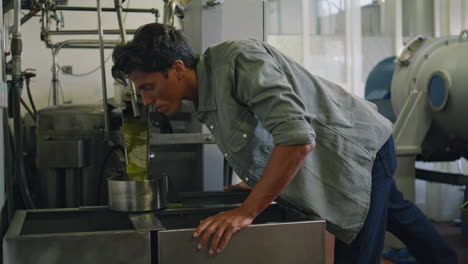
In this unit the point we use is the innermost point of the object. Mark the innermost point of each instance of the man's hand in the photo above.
(221, 227)
(284, 163)
(241, 186)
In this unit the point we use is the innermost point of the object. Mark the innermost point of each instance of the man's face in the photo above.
(164, 93)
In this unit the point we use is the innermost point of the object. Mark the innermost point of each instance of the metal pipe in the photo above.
(3, 45)
(173, 8)
(397, 26)
(123, 37)
(16, 19)
(29, 15)
(55, 72)
(6, 136)
(77, 46)
(122, 31)
(26, 18)
(106, 9)
(165, 12)
(16, 42)
(87, 32)
(172, 5)
(43, 18)
(103, 71)
(74, 43)
(17, 80)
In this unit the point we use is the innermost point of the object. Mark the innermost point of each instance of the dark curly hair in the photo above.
(153, 49)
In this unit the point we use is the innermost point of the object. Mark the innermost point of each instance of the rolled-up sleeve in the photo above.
(261, 84)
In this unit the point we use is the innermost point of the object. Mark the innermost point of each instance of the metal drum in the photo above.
(137, 196)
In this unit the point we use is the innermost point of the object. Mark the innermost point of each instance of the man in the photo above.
(290, 136)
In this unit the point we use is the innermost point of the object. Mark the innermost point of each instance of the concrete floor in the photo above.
(451, 233)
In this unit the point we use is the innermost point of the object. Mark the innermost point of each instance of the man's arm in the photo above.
(262, 85)
(282, 167)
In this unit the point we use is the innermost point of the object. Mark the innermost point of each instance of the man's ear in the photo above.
(179, 68)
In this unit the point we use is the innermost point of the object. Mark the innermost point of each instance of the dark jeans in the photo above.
(390, 211)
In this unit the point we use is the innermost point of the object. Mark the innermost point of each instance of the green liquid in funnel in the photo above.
(136, 147)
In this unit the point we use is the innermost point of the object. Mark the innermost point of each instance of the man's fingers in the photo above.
(206, 236)
(201, 227)
(232, 187)
(215, 240)
(229, 188)
(237, 187)
(224, 241)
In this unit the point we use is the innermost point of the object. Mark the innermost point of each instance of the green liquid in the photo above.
(136, 147)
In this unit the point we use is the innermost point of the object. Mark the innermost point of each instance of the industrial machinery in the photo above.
(422, 92)
(119, 183)
(180, 140)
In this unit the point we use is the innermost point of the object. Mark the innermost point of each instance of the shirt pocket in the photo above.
(247, 148)
(242, 132)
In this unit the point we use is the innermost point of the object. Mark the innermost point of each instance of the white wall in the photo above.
(77, 89)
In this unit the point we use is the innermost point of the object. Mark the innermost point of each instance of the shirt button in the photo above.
(246, 179)
(244, 136)
(225, 155)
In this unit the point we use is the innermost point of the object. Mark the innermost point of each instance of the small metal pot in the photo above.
(137, 196)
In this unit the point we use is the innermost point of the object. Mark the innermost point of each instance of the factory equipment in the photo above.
(172, 142)
(425, 88)
(76, 175)
(422, 91)
(80, 147)
(71, 153)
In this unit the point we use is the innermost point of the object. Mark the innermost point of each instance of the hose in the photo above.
(21, 173)
(8, 168)
(28, 109)
(31, 101)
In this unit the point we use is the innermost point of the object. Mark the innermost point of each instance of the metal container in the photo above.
(278, 235)
(137, 196)
(76, 236)
(274, 243)
(98, 235)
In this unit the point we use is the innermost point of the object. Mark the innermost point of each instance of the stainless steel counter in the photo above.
(98, 235)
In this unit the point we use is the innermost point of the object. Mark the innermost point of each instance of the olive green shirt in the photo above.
(252, 97)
